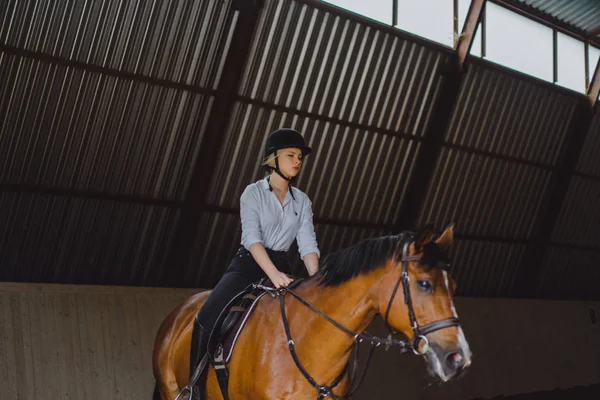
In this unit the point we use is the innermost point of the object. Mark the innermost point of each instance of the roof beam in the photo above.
(212, 141)
(105, 71)
(552, 202)
(452, 76)
(424, 165)
(594, 87)
(467, 36)
(594, 33)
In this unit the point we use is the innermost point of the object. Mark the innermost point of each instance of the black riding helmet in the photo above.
(282, 139)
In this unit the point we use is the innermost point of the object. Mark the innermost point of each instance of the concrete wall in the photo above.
(72, 342)
(79, 342)
(519, 346)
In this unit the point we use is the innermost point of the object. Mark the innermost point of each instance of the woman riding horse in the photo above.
(273, 214)
(309, 331)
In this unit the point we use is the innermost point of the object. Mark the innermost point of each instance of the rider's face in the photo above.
(290, 161)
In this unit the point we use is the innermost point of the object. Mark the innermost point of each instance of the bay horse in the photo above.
(350, 289)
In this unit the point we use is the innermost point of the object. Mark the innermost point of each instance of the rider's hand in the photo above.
(279, 279)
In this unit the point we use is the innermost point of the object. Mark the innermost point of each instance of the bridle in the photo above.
(419, 332)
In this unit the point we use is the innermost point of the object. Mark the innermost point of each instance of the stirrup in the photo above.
(185, 393)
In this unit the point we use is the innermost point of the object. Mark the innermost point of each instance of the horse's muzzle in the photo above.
(447, 363)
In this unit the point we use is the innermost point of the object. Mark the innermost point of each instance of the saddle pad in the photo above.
(232, 338)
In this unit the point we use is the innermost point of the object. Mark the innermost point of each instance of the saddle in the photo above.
(226, 331)
(234, 316)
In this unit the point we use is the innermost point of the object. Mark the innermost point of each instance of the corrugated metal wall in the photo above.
(589, 163)
(174, 41)
(493, 170)
(105, 106)
(572, 264)
(75, 129)
(69, 239)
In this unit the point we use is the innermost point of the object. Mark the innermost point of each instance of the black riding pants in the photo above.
(242, 271)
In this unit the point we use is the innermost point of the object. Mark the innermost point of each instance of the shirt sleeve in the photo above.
(249, 214)
(306, 238)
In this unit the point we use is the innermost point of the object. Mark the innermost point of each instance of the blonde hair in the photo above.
(269, 162)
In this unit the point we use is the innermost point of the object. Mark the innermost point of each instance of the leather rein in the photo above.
(419, 332)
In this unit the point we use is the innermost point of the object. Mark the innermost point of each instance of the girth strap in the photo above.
(222, 372)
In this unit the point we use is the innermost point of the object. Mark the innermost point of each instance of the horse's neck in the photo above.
(349, 304)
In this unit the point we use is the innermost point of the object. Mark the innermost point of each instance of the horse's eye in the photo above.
(425, 285)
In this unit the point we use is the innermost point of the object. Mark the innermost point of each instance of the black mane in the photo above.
(361, 258)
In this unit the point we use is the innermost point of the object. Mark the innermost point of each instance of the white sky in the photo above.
(432, 19)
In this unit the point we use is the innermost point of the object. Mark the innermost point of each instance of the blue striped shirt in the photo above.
(265, 220)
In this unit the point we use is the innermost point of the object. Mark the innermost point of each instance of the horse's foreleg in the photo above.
(166, 390)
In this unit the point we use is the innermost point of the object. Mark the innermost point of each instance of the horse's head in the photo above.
(416, 300)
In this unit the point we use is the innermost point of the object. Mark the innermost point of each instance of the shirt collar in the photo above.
(267, 186)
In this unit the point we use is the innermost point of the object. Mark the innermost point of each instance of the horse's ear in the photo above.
(446, 238)
(424, 236)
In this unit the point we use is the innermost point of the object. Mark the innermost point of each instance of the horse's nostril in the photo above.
(455, 360)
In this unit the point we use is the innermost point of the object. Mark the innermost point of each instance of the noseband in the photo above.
(419, 332)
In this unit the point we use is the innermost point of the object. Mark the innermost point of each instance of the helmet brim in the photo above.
(305, 149)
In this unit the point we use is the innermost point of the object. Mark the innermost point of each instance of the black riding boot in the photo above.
(197, 352)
